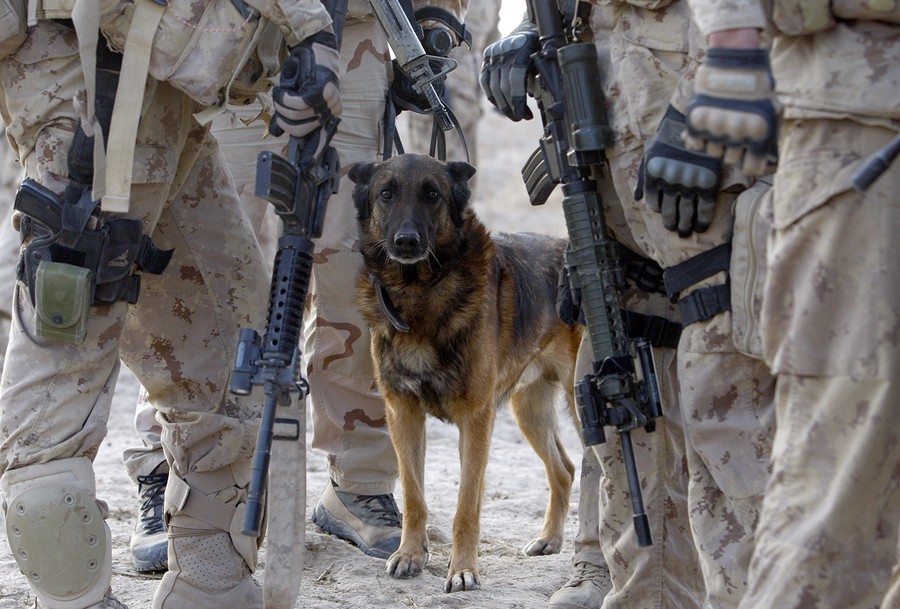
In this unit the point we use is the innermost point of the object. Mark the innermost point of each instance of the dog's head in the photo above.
(411, 203)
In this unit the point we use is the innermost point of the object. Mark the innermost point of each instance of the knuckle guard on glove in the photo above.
(734, 110)
(308, 94)
(680, 184)
(504, 72)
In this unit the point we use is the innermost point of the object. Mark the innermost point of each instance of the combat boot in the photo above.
(210, 561)
(370, 522)
(584, 590)
(149, 545)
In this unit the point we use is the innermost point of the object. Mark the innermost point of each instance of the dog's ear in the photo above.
(460, 192)
(460, 171)
(360, 174)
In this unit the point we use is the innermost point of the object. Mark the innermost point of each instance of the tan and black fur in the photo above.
(463, 321)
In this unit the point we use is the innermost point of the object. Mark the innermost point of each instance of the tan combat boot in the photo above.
(210, 561)
(584, 590)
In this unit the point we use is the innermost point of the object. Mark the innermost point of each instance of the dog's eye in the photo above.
(432, 195)
(387, 194)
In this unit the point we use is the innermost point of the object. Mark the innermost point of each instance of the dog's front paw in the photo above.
(462, 580)
(540, 546)
(404, 565)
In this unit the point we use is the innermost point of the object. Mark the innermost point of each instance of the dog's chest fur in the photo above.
(494, 302)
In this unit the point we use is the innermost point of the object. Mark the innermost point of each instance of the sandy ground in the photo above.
(337, 574)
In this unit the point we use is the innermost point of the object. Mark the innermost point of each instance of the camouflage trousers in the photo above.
(828, 530)
(348, 411)
(180, 338)
(726, 392)
(667, 573)
(11, 174)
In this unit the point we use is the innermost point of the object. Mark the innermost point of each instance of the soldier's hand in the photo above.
(405, 93)
(308, 95)
(505, 70)
(680, 184)
(734, 112)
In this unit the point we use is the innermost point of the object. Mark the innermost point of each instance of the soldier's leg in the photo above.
(348, 412)
(55, 396)
(180, 341)
(828, 529)
(146, 466)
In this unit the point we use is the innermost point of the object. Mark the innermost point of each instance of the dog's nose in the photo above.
(406, 239)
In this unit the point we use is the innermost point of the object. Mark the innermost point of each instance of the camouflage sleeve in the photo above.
(718, 15)
(297, 19)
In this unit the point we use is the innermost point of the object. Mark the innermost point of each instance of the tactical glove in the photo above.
(734, 110)
(308, 94)
(405, 94)
(504, 71)
(680, 184)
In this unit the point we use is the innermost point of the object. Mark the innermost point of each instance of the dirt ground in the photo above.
(338, 575)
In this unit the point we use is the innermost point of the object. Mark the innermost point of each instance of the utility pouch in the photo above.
(62, 298)
(12, 26)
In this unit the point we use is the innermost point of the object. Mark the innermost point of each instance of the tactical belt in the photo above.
(658, 330)
(702, 303)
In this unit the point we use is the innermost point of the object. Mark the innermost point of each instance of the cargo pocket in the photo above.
(748, 265)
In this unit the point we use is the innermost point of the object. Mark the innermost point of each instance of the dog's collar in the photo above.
(387, 306)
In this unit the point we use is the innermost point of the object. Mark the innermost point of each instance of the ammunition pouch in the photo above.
(703, 303)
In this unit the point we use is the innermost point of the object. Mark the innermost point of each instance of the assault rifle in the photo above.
(412, 58)
(568, 90)
(298, 188)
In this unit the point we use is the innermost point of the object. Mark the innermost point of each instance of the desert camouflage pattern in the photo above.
(180, 338)
(666, 574)
(348, 411)
(11, 174)
(828, 534)
(647, 55)
(830, 311)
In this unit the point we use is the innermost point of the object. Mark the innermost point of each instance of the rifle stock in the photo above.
(568, 90)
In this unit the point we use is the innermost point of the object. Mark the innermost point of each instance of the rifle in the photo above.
(298, 188)
(568, 90)
(413, 59)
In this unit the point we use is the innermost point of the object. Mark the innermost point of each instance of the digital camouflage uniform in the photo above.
(179, 339)
(666, 574)
(828, 530)
(10, 177)
(646, 51)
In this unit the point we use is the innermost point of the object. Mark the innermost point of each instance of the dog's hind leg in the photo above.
(406, 423)
(533, 407)
(476, 424)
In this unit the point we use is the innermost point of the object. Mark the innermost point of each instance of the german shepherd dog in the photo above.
(460, 321)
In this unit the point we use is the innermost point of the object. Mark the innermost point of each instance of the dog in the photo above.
(460, 322)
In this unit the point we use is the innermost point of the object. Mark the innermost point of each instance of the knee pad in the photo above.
(57, 532)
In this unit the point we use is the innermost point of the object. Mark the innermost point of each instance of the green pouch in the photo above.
(62, 299)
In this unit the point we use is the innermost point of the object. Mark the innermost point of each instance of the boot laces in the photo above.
(153, 488)
(379, 508)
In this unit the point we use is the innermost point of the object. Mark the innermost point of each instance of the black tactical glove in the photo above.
(504, 71)
(308, 94)
(405, 94)
(680, 184)
(734, 110)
